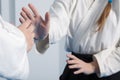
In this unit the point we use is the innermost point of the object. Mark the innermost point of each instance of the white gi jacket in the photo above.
(13, 52)
(77, 20)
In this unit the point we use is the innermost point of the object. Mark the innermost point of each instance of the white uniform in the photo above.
(13, 55)
(77, 20)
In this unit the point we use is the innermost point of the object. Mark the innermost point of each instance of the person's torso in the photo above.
(91, 41)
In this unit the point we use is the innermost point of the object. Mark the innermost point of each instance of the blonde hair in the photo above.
(101, 21)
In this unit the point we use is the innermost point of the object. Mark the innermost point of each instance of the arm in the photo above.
(13, 51)
(108, 61)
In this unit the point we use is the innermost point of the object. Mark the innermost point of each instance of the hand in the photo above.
(42, 26)
(28, 30)
(83, 67)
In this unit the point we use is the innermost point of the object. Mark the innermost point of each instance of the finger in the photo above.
(47, 18)
(28, 13)
(24, 15)
(76, 66)
(26, 24)
(21, 20)
(78, 71)
(72, 56)
(72, 61)
(34, 10)
(36, 14)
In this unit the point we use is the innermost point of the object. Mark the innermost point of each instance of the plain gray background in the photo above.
(47, 66)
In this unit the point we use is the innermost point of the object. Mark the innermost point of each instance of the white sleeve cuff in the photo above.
(103, 64)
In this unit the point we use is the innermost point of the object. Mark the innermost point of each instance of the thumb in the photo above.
(47, 18)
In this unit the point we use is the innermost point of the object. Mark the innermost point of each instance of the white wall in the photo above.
(46, 66)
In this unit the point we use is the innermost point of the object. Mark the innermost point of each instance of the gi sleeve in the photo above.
(60, 12)
(13, 52)
(108, 61)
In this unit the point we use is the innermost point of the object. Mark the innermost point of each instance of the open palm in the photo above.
(42, 26)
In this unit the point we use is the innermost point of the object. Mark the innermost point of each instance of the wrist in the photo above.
(95, 66)
(42, 45)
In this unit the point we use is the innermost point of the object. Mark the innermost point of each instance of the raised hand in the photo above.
(83, 67)
(28, 30)
(42, 26)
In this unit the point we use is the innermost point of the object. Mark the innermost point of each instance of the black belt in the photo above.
(84, 57)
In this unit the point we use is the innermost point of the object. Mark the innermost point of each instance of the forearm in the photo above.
(108, 61)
